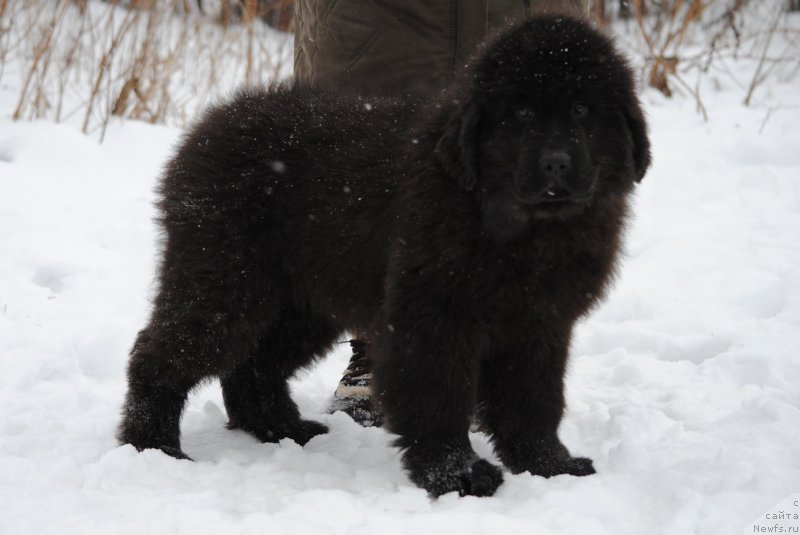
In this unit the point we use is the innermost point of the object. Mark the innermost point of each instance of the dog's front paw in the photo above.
(461, 471)
(549, 467)
(546, 458)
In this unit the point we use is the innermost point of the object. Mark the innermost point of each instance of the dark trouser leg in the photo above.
(578, 8)
(256, 393)
(522, 402)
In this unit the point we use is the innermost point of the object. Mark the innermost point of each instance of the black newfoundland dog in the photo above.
(462, 240)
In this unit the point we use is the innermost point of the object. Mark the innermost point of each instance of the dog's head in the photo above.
(547, 123)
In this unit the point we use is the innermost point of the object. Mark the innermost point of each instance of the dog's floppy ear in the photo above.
(457, 149)
(634, 119)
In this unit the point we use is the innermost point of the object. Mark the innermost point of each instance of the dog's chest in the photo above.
(548, 279)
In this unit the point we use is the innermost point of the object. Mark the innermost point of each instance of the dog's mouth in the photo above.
(554, 198)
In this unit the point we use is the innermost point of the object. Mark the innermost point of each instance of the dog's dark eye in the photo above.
(580, 110)
(524, 114)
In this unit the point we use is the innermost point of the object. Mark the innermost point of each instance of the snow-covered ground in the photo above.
(684, 386)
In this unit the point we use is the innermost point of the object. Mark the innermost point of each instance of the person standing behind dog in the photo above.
(400, 48)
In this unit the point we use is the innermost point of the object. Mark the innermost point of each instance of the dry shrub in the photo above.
(681, 37)
(153, 61)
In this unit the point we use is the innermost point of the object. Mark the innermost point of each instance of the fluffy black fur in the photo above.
(462, 241)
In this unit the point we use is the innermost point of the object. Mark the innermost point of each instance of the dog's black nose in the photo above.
(555, 165)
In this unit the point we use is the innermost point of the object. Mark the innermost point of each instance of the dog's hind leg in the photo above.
(200, 327)
(256, 393)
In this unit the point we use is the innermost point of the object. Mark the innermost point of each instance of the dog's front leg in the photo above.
(426, 381)
(521, 396)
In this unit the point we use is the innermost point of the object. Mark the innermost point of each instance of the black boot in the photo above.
(353, 396)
